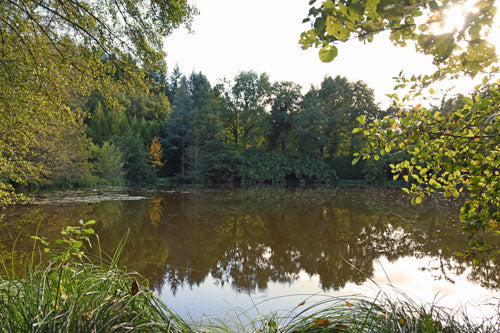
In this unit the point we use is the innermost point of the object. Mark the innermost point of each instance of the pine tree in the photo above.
(135, 157)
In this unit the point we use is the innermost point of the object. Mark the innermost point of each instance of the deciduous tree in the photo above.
(54, 52)
(155, 154)
(449, 152)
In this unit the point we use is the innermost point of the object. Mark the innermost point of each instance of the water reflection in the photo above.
(250, 238)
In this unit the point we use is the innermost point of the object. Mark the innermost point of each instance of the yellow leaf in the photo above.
(321, 322)
(348, 303)
(302, 303)
(394, 125)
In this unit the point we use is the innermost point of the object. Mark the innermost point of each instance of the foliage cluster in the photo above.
(248, 130)
(53, 55)
(451, 150)
(251, 129)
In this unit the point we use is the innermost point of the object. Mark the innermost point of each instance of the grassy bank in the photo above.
(71, 292)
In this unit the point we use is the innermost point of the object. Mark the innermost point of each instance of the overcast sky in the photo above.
(262, 35)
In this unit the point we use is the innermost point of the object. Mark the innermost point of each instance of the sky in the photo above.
(230, 36)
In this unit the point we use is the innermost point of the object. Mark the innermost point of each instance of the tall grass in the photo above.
(71, 292)
(385, 313)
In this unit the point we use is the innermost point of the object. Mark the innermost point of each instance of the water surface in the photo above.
(208, 251)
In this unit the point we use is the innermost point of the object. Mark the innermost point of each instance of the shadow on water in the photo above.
(249, 238)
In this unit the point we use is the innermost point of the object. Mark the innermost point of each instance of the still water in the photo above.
(209, 252)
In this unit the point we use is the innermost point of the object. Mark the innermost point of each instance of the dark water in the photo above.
(205, 251)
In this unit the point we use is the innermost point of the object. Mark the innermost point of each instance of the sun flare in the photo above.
(453, 19)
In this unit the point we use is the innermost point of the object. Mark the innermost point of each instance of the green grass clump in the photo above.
(86, 298)
(70, 293)
(383, 314)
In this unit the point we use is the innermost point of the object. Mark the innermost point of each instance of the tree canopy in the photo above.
(55, 53)
(463, 49)
(452, 149)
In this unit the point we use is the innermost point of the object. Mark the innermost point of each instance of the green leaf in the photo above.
(89, 222)
(371, 8)
(354, 161)
(335, 28)
(77, 244)
(357, 130)
(361, 120)
(328, 53)
(468, 101)
(434, 183)
(405, 190)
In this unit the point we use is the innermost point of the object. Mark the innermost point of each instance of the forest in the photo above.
(185, 130)
(248, 129)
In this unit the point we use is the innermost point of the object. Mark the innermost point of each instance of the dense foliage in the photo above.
(451, 149)
(246, 130)
(253, 130)
(53, 54)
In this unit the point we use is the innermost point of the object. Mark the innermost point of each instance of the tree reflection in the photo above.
(248, 238)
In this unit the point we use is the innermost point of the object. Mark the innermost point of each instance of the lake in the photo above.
(212, 252)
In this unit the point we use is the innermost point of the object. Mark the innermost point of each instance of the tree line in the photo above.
(248, 129)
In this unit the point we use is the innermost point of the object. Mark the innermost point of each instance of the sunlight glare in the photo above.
(453, 18)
